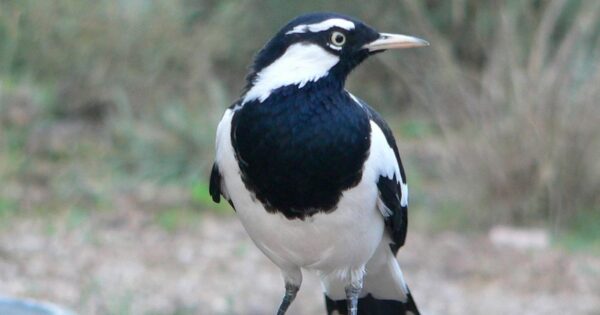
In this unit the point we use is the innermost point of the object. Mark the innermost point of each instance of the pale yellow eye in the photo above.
(338, 38)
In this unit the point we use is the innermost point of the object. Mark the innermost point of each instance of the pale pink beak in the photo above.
(395, 41)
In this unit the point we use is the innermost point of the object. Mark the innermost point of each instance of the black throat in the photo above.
(301, 148)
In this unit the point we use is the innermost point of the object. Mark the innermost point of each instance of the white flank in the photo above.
(322, 26)
(301, 63)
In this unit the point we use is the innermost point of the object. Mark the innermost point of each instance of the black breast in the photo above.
(299, 151)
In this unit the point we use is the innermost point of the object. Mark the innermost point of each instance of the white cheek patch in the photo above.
(301, 63)
(322, 26)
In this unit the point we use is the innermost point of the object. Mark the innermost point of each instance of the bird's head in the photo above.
(315, 46)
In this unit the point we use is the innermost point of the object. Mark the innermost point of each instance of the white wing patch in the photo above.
(301, 63)
(322, 26)
(404, 190)
(383, 154)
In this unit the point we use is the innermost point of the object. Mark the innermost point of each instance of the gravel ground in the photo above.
(125, 263)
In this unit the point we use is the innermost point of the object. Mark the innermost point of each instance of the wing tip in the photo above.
(215, 184)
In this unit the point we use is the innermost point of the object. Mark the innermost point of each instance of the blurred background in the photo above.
(108, 112)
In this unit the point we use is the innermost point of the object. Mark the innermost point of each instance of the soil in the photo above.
(126, 263)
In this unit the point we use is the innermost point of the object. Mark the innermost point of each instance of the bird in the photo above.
(313, 172)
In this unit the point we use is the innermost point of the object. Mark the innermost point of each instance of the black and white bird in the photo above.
(313, 172)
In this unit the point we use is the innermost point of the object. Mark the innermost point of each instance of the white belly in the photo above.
(344, 238)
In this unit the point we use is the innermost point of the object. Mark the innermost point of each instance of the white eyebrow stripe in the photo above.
(322, 26)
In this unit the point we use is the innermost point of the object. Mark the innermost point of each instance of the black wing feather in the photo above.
(397, 223)
(215, 184)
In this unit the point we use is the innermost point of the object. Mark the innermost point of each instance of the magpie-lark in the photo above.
(313, 172)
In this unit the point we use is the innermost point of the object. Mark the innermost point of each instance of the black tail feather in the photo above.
(369, 305)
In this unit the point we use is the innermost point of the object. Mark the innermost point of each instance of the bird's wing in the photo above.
(384, 289)
(393, 191)
(216, 187)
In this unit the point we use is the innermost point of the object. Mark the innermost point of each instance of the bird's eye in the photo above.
(338, 38)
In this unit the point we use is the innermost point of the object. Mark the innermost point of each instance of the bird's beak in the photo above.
(394, 41)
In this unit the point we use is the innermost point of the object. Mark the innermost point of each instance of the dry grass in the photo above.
(521, 129)
(97, 98)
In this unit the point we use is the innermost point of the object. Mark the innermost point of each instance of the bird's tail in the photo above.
(384, 290)
(369, 305)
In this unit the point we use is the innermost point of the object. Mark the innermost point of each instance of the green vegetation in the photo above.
(201, 198)
(174, 219)
(583, 234)
(100, 100)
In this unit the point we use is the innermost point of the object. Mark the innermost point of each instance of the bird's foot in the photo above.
(352, 293)
(290, 294)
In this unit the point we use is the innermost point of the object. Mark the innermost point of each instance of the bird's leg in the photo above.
(290, 295)
(352, 292)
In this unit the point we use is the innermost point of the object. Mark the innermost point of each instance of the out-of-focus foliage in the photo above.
(498, 119)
